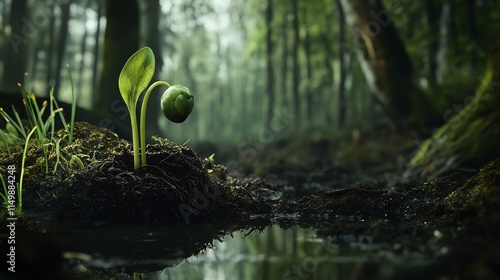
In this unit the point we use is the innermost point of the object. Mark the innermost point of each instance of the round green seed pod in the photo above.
(177, 102)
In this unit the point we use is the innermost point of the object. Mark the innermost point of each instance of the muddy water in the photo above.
(274, 253)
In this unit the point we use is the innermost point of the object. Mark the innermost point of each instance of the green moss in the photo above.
(479, 197)
(469, 138)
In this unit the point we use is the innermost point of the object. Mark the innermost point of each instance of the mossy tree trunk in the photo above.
(471, 137)
(385, 62)
(120, 42)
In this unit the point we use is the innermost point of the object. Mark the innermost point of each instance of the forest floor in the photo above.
(350, 188)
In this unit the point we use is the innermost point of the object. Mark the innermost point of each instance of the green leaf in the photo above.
(136, 75)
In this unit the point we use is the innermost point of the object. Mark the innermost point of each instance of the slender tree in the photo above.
(296, 64)
(284, 60)
(96, 48)
(83, 51)
(153, 36)
(49, 78)
(61, 43)
(15, 57)
(269, 61)
(473, 31)
(386, 64)
(309, 96)
(433, 14)
(341, 89)
(328, 84)
(120, 42)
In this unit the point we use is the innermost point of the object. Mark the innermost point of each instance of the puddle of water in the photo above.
(177, 252)
(273, 254)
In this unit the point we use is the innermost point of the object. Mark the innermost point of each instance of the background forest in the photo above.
(250, 64)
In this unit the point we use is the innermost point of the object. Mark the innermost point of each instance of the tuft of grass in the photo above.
(5, 193)
(14, 127)
(20, 184)
(45, 122)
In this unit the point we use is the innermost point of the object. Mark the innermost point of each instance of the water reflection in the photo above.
(272, 254)
(179, 252)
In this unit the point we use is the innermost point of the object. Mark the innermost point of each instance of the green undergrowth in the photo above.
(63, 158)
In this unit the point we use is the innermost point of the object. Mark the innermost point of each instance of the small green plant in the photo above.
(19, 185)
(21, 180)
(37, 117)
(5, 193)
(177, 101)
(8, 137)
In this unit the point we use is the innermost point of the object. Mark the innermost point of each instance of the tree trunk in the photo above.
(153, 9)
(473, 33)
(61, 44)
(217, 101)
(50, 51)
(444, 43)
(269, 61)
(185, 65)
(36, 58)
(308, 91)
(83, 51)
(433, 14)
(120, 42)
(329, 81)
(243, 76)
(386, 64)
(296, 65)
(341, 89)
(284, 64)
(4, 44)
(15, 59)
(96, 49)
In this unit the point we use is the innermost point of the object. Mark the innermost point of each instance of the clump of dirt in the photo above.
(175, 186)
(112, 191)
(93, 181)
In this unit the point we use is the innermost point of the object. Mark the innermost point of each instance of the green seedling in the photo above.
(13, 128)
(8, 137)
(21, 180)
(5, 193)
(177, 101)
(58, 154)
(19, 185)
(17, 124)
